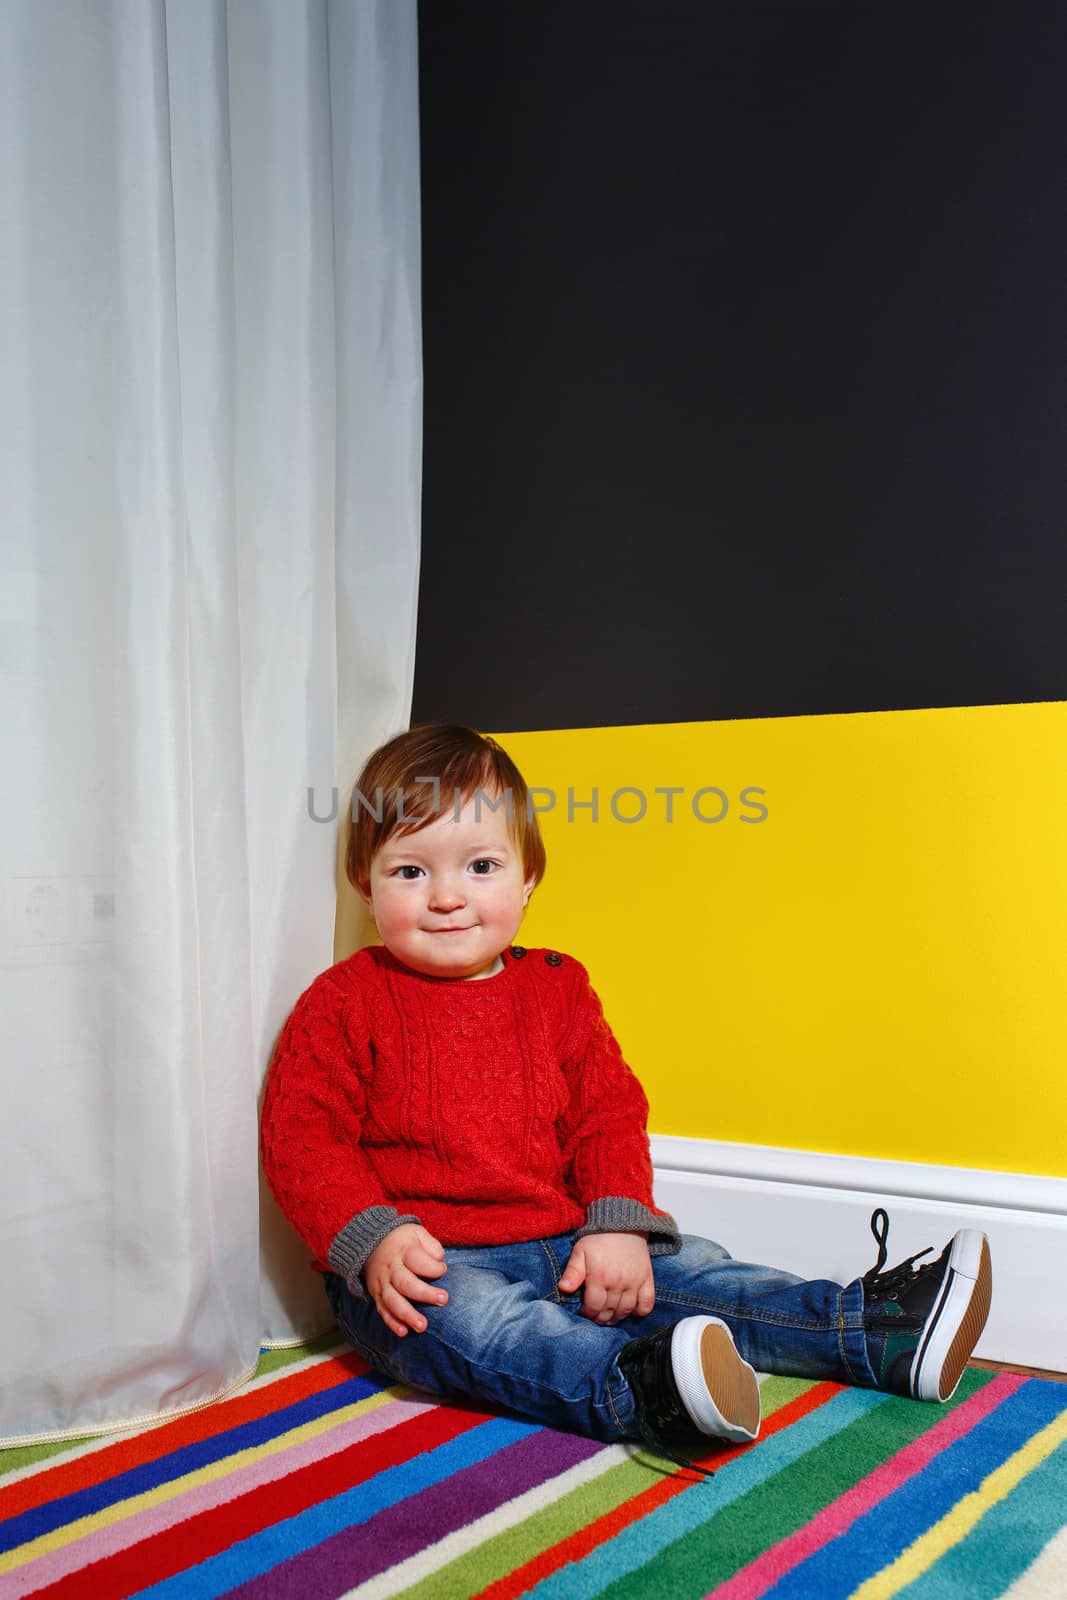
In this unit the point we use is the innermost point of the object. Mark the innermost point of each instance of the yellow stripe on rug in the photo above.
(23, 1553)
(957, 1523)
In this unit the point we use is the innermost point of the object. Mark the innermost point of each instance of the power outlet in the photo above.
(58, 919)
(43, 912)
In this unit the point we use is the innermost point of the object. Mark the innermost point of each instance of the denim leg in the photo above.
(780, 1323)
(509, 1340)
(505, 1338)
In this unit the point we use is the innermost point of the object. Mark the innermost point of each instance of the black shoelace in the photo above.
(656, 1445)
(885, 1285)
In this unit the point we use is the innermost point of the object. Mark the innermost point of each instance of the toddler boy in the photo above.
(450, 1125)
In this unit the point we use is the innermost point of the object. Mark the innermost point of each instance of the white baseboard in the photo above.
(809, 1213)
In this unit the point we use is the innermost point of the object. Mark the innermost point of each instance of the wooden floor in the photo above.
(1028, 1372)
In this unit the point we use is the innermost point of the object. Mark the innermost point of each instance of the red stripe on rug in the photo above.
(179, 1548)
(582, 1543)
(25, 1494)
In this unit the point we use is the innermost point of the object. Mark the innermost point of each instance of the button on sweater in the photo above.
(491, 1111)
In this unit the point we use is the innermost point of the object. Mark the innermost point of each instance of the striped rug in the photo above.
(317, 1480)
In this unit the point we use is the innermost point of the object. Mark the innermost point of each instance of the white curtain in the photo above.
(210, 409)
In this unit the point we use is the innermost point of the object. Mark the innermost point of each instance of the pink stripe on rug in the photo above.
(761, 1574)
(107, 1541)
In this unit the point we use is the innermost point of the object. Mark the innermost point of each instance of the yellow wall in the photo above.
(877, 968)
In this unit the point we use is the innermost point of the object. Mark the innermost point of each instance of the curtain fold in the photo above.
(210, 391)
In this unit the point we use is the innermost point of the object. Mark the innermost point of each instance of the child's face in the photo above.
(449, 899)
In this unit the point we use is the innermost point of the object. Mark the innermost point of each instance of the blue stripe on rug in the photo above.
(878, 1537)
(1007, 1540)
(281, 1542)
(84, 1502)
(639, 1543)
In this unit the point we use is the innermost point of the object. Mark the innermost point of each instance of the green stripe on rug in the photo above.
(711, 1553)
(504, 1552)
(285, 1356)
(28, 1455)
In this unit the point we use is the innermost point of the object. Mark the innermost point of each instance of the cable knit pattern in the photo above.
(491, 1111)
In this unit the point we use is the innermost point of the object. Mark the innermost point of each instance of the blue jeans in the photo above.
(509, 1339)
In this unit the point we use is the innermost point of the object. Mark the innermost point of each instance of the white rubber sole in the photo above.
(718, 1389)
(956, 1318)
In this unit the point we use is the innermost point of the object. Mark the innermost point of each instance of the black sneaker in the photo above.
(922, 1323)
(690, 1384)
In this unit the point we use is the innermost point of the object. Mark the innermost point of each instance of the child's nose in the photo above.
(446, 893)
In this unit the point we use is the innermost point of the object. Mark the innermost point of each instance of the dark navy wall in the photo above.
(746, 358)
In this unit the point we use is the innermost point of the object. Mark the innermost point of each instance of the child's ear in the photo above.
(528, 889)
(363, 889)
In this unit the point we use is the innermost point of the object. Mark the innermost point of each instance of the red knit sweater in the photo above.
(491, 1111)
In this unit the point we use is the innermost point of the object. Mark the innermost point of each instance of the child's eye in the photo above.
(407, 873)
(483, 866)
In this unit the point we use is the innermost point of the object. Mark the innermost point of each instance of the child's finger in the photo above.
(574, 1272)
(413, 1287)
(625, 1304)
(398, 1313)
(594, 1301)
(390, 1317)
(426, 1265)
(615, 1307)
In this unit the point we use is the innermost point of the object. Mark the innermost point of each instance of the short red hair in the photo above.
(418, 776)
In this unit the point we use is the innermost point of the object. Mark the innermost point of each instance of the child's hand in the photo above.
(617, 1272)
(394, 1275)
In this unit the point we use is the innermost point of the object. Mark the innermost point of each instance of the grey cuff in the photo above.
(358, 1238)
(614, 1214)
